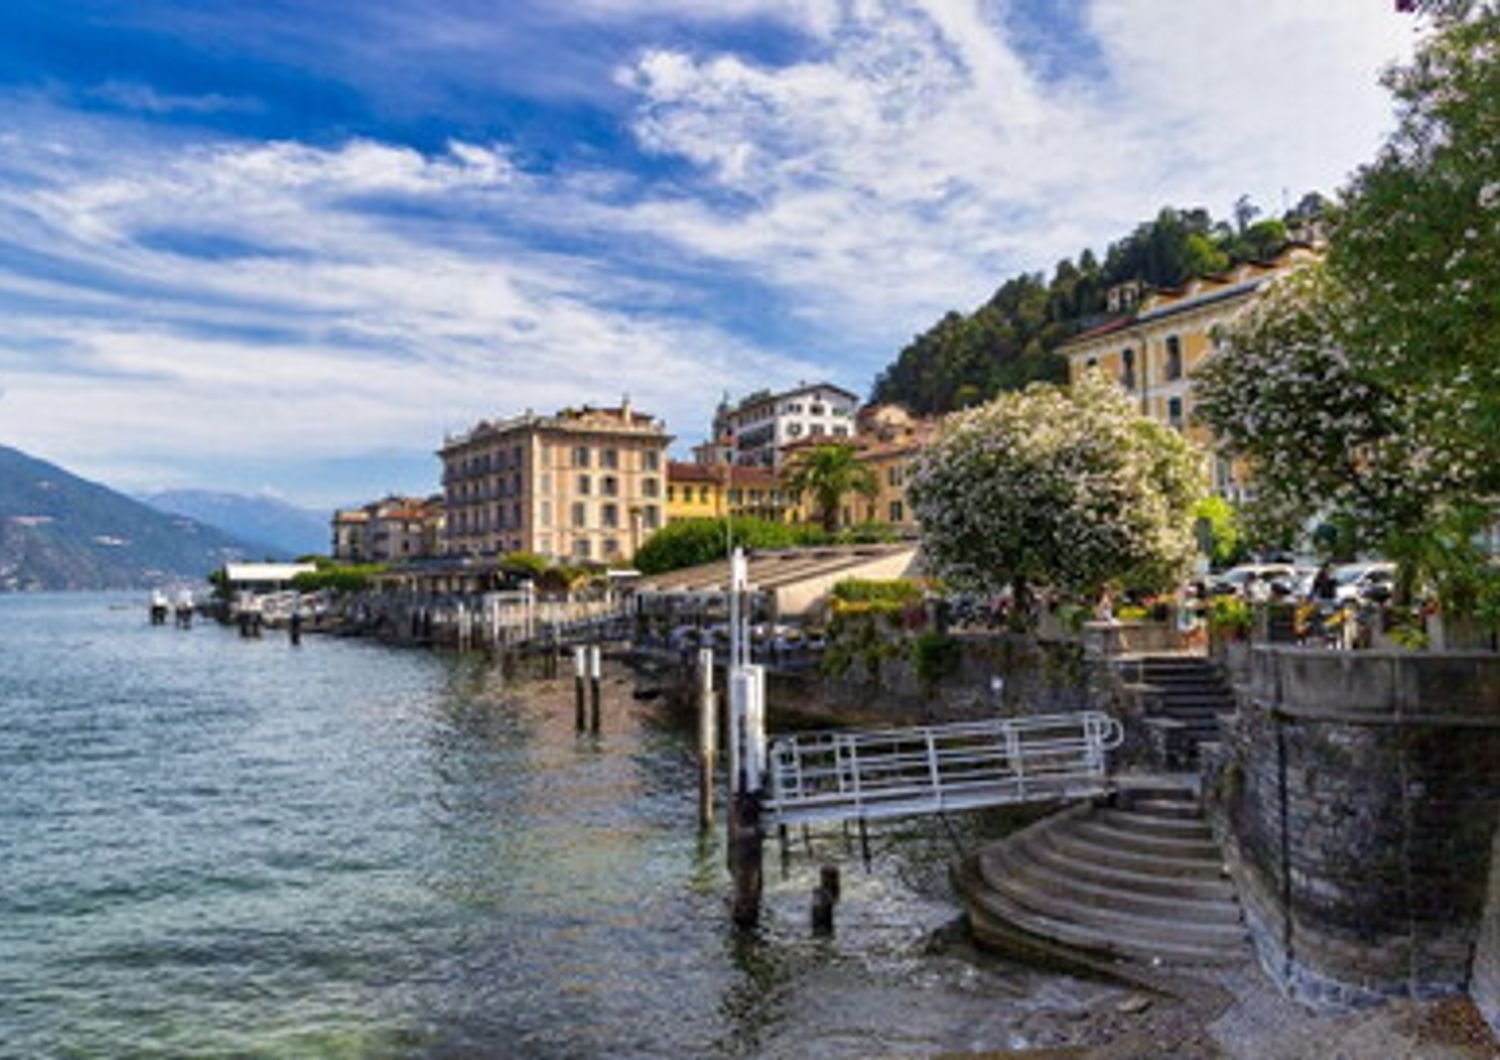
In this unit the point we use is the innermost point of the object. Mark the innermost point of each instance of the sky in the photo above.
(283, 246)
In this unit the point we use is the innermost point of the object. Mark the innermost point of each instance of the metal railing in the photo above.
(833, 776)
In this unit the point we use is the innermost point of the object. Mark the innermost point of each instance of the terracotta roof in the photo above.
(679, 471)
(1094, 332)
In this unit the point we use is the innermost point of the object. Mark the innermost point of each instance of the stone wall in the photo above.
(1357, 798)
(1486, 981)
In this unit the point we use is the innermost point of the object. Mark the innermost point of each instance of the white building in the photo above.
(758, 428)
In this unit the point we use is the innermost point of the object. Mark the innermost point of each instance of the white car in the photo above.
(1364, 581)
(1237, 579)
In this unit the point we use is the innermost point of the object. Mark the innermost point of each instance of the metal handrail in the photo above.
(932, 768)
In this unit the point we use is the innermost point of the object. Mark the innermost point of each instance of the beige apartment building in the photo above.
(393, 528)
(585, 485)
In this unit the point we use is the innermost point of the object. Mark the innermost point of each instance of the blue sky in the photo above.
(286, 246)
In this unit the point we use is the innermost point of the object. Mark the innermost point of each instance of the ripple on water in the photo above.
(225, 847)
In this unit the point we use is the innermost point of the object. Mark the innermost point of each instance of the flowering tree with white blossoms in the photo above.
(1324, 433)
(1067, 488)
(1368, 390)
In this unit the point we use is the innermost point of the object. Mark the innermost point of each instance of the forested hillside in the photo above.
(1009, 341)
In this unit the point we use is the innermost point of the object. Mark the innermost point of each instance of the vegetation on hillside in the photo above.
(1008, 342)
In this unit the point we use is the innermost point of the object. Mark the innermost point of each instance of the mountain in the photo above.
(284, 528)
(59, 531)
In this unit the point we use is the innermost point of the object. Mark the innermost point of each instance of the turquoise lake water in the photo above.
(221, 847)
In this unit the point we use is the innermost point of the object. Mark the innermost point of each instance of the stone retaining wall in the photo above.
(1357, 797)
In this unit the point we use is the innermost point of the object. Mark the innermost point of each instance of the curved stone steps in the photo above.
(1141, 881)
(1024, 864)
(1144, 878)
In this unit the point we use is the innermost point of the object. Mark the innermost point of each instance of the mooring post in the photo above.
(747, 847)
(707, 738)
(825, 897)
(294, 628)
(596, 677)
(580, 678)
(864, 842)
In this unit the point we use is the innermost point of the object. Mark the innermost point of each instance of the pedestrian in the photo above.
(1325, 585)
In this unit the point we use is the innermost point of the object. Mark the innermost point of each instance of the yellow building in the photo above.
(708, 491)
(1156, 348)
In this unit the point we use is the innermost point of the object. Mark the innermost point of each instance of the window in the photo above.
(581, 548)
(546, 483)
(1093, 363)
(793, 430)
(609, 458)
(898, 513)
(1127, 369)
(840, 430)
(735, 496)
(581, 456)
(1174, 412)
(546, 513)
(610, 486)
(515, 516)
(672, 494)
(651, 517)
(704, 496)
(1174, 357)
(517, 456)
(580, 514)
(815, 429)
(648, 487)
(816, 410)
(893, 476)
(610, 516)
(611, 546)
(651, 460)
(585, 485)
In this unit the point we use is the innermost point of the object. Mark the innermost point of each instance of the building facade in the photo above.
(756, 431)
(1155, 349)
(584, 485)
(710, 491)
(390, 529)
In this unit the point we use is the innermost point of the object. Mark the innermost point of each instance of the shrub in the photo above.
(693, 541)
(934, 657)
(1229, 616)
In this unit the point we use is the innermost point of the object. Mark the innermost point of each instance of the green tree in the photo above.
(1218, 525)
(1069, 488)
(827, 473)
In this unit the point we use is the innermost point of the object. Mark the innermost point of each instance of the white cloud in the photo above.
(386, 330)
(921, 160)
(912, 159)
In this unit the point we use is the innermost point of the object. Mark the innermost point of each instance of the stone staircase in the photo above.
(1138, 877)
(1183, 697)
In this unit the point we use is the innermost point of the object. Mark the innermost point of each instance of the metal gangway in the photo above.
(850, 775)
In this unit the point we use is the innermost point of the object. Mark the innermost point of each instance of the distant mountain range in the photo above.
(59, 531)
(283, 528)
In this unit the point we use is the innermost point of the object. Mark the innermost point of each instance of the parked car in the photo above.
(1364, 581)
(1280, 577)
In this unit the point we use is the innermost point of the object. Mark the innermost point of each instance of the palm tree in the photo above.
(826, 473)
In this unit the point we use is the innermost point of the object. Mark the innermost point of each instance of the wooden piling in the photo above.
(596, 677)
(580, 678)
(707, 738)
(746, 846)
(825, 898)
